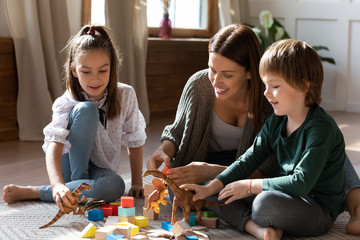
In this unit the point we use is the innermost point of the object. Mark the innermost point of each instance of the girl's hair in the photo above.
(240, 44)
(92, 37)
(300, 66)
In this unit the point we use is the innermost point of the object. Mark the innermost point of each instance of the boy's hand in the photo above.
(137, 191)
(235, 190)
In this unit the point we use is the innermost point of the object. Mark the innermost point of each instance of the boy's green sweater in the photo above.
(311, 159)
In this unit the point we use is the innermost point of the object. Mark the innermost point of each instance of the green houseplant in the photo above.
(274, 31)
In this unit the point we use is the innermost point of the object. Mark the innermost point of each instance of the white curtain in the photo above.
(40, 29)
(127, 20)
(233, 11)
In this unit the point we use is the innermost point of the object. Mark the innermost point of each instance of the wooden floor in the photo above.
(24, 163)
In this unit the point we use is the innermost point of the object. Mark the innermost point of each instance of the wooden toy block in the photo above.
(127, 202)
(191, 237)
(123, 230)
(126, 212)
(108, 210)
(100, 233)
(192, 220)
(114, 237)
(89, 231)
(141, 221)
(115, 203)
(96, 215)
(167, 225)
(148, 189)
(139, 237)
(131, 219)
(165, 169)
(180, 227)
(150, 214)
(134, 229)
(111, 221)
(210, 222)
(199, 228)
(209, 214)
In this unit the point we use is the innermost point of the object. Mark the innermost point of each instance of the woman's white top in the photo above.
(223, 136)
(128, 129)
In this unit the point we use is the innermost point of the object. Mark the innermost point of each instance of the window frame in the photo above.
(212, 22)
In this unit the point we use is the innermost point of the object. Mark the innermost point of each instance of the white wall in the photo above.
(331, 23)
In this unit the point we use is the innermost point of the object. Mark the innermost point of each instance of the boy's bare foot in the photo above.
(273, 233)
(265, 233)
(13, 193)
(353, 226)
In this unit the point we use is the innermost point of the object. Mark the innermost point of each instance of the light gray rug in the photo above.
(22, 220)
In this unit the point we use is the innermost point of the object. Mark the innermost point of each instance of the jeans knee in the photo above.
(86, 111)
(265, 205)
(113, 188)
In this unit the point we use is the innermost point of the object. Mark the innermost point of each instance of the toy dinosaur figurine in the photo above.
(157, 196)
(74, 207)
(183, 198)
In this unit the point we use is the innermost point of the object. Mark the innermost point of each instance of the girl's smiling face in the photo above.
(228, 78)
(93, 72)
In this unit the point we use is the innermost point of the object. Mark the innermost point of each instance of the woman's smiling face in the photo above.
(93, 72)
(228, 78)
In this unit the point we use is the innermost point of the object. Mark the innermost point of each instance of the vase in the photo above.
(165, 27)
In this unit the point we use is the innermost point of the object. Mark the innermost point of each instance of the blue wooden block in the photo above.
(191, 237)
(113, 236)
(167, 225)
(96, 215)
(126, 212)
(192, 220)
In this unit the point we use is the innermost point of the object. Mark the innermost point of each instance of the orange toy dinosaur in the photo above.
(183, 199)
(74, 207)
(157, 196)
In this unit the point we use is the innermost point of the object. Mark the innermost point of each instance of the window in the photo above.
(189, 18)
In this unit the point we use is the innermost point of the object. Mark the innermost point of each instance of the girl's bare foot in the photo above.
(353, 226)
(13, 193)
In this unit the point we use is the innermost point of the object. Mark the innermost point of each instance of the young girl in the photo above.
(307, 197)
(91, 120)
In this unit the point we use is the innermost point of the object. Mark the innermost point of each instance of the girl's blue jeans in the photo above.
(76, 165)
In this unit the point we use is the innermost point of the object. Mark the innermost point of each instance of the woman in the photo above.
(217, 120)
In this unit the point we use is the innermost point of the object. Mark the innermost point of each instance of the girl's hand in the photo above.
(235, 190)
(62, 195)
(194, 172)
(136, 191)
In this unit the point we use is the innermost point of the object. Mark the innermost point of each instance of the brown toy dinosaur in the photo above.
(74, 207)
(183, 199)
(157, 196)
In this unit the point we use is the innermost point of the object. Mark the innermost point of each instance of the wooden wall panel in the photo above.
(170, 63)
(8, 92)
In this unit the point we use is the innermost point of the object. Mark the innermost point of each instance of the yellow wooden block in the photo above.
(128, 219)
(116, 203)
(141, 221)
(89, 231)
(134, 229)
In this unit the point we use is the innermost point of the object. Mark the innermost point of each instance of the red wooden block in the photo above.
(127, 202)
(108, 210)
(165, 169)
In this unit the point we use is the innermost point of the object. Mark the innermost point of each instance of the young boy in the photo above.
(307, 197)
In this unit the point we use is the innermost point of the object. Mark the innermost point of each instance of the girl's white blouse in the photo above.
(128, 129)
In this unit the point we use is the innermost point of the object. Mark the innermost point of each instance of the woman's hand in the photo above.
(235, 190)
(62, 195)
(156, 159)
(194, 172)
(136, 191)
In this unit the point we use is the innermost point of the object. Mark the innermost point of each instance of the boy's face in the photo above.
(285, 99)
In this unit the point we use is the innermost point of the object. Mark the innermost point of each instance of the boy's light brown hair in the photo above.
(299, 64)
